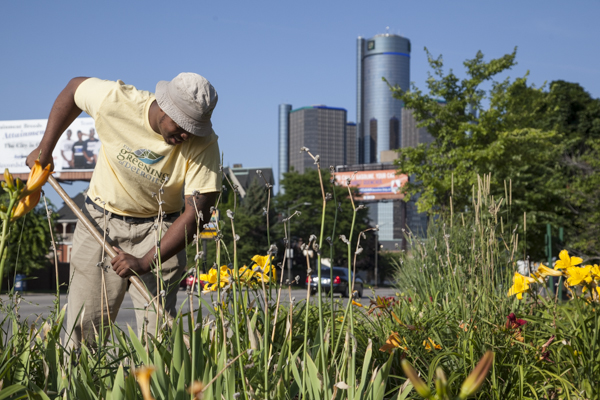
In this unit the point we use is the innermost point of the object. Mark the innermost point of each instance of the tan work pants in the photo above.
(86, 306)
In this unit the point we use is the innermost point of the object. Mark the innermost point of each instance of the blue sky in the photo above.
(262, 53)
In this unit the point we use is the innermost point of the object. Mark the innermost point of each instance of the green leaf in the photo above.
(118, 389)
(11, 390)
(181, 394)
(314, 380)
(365, 369)
(138, 346)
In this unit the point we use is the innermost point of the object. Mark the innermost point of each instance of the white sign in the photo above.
(76, 150)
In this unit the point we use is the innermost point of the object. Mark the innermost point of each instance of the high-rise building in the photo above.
(284, 139)
(351, 153)
(320, 128)
(411, 134)
(379, 115)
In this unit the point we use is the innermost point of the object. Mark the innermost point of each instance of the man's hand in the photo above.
(45, 158)
(125, 265)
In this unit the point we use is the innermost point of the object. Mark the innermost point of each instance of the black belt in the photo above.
(130, 220)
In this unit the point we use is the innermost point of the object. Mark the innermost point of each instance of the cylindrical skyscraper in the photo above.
(284, 140)
(379, 114)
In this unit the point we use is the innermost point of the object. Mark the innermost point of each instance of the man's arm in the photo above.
(184, 228)
(63, 113)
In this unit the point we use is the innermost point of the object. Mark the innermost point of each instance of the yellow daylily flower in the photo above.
(143, 375)
(596, 272)
(430, 345)
(393, 342)
(545, 271)
(36, 179)
(566, 261)
(26, 204)
(579, 276)
(520, 285)
(267, 271)
(262, 261)
(245, 274)
(357, 304)
(211, 278)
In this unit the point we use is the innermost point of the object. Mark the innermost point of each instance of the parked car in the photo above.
(340, 282)
(191, 280)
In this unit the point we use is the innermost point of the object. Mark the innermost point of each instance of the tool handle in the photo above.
(135, 280)
(81, 217)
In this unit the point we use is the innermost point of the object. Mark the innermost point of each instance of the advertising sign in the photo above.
(374, 185)
(76, 150)
(211, 229)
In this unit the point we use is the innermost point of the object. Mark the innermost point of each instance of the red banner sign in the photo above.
(374, 185)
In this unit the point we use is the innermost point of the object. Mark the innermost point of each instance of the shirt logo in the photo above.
(148, 156)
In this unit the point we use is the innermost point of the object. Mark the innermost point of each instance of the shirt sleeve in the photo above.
(203, 174)
(91, 93)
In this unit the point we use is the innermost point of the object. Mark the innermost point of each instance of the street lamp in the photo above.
(289, 244)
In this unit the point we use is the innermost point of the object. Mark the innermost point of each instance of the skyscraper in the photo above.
(284, 137)
(351, 153)
(411, 134)
(323, 130)
(379, 115)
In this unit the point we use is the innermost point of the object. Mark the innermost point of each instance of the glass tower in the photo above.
(284, 143)
(379, 115)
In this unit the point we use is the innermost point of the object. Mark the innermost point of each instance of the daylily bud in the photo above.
(10, 183)
(441, 384)
(143, 377)
(195, 389)
(475, 379)
(417, 382)
(37, 178)
(26, 204)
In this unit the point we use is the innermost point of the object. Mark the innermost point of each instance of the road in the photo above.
(34, 305)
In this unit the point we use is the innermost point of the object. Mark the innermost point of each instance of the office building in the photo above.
(284, 135)
(379, 115)
(351, 152)
(324, 130)
(411, 134)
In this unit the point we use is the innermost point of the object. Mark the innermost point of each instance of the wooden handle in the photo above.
(134, 279)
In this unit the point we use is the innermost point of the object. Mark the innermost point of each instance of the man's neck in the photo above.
(154, 116)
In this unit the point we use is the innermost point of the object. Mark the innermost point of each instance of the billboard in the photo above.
(76, 150)
(374, 185)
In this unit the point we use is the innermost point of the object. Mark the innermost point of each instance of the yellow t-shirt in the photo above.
(134, 161)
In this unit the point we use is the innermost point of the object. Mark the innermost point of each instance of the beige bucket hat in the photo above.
(189, 99)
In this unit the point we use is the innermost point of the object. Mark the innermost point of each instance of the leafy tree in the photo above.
(30, 241)
(570, 111)
(250, 224)
(493, 132)
(305, 188)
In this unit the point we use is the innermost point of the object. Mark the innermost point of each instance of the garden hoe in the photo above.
(134, 279)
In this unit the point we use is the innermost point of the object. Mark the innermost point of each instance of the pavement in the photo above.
(36, 306)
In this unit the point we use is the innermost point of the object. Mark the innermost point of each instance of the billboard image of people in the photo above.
(77, 148)
(375, 185)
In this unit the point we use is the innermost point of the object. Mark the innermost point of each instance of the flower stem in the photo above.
(3, 240)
